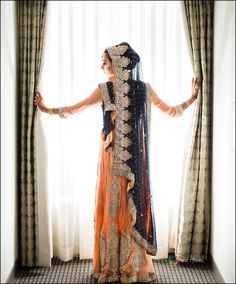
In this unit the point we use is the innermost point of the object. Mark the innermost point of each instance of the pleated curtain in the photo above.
(195, 208)
(30, 28)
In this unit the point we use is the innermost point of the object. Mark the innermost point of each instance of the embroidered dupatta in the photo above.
(126, 112)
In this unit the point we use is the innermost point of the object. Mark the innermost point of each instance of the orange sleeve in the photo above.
(94, 99)
(170, 110)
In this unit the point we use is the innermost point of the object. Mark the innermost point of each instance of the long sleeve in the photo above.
(94, 99)
(170, 110)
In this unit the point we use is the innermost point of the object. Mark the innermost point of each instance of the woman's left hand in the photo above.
(195, 87)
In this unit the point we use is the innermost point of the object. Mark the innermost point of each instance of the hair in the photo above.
(108, 56)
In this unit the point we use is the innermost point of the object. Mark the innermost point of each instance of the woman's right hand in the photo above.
(39, 102)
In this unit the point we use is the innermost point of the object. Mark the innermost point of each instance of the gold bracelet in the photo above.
(50, 111)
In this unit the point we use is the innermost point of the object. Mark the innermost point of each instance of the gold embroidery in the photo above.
(123, 88)
(120, 155)
(113, 248)
(113, 206)
(124, 155)
(125, 248)
(125, 115)
(113, 262)
(123, 171)
(105, 97)
(125, 142)
(105, 279)
(114, 202)
(117, 50)
(102, 249)
(121, 62)
(151, 249)
(109, 252)
(137, 259)
(115, 185)
(122, 128)
(124, 75)
(143, 277)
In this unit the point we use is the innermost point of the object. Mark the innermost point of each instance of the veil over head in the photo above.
(127, 109)
(124, 56)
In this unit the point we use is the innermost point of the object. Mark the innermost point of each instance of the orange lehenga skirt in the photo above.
(117, 256)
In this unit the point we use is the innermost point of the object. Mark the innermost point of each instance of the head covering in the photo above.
(126, 109)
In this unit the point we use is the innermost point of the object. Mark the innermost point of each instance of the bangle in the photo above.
(187, 103)
(180, 109)
(61, 112)
(50, 111)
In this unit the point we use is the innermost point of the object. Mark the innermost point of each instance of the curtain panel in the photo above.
(195, 209)
(30, 27)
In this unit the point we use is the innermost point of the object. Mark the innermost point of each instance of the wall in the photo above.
(9, 251)
(223, 191)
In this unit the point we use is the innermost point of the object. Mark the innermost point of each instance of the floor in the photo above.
(80, 271)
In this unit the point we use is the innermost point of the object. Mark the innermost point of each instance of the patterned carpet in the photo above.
(80, 271)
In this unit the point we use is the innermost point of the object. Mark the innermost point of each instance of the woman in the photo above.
(125, 236)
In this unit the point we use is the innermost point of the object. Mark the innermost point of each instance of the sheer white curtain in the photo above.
(76, 35)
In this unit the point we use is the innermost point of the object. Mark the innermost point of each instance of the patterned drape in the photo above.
(195, 209)
(30, 27)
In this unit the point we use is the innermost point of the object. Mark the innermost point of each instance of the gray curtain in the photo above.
(30, 27)
(195, 210)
